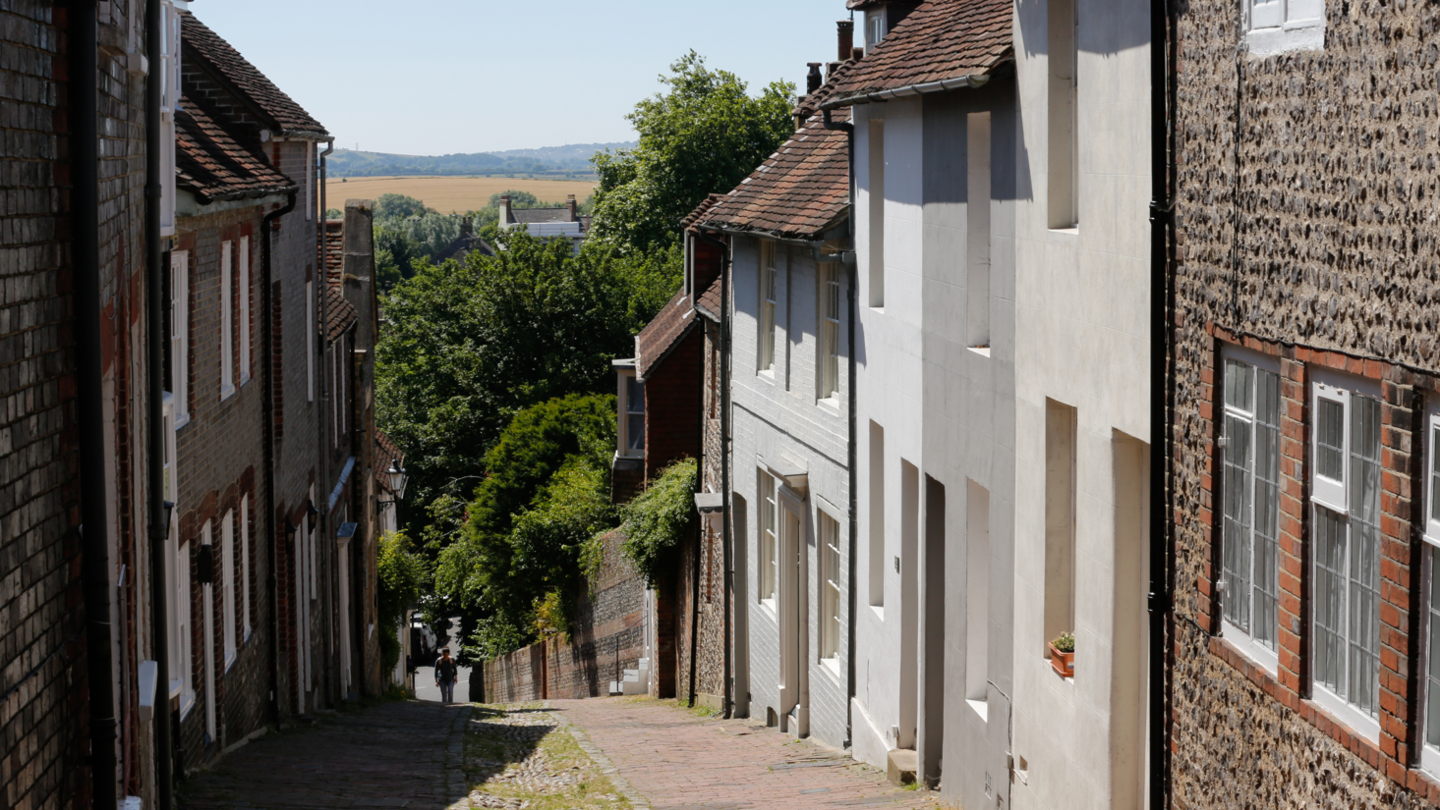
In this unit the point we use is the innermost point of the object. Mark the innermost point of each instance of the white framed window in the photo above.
(245, 564)
(310, 340)
(244, 292)
(829, 377)
(1251, 504)
(227, 584)
(634, 416)
(180, 334)
(1430, 732)
(170, 102)
(768, 274)
(875, 27)
(182, 669)
(829, 587)
(1345, 502)
(769, 557)
(227, 323)
(1279, 26)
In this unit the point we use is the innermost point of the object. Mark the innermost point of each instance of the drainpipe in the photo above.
(1162, 398)
(699, 548)
(853, 295)
(331, 575)
(159, 510)
(727, 537)
(267, 307)
(94, 516)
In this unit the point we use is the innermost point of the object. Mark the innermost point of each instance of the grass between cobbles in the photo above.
(521, 756)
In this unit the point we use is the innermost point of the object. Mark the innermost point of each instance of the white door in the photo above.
(208, 639)
(793, 621)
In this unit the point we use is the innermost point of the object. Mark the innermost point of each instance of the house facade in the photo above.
(1306, 391)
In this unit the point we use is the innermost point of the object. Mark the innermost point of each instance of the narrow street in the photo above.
(604, 753)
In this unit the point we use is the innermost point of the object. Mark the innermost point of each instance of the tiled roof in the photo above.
(386, 453)
(800, 192)
(709, 301)
(339, 313)
(526, 216)
(663, 333)
(334, 247)
(227, 64)
(939, 40)
(463, 246)
(700, 211)
(212, 166)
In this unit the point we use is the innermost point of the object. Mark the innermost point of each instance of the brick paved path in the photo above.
(681, 762)
(391, 755)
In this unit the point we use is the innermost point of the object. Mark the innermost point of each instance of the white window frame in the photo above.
(875, 27)
(227, 322)
(310, 340)
(1430, 683)
(227, 585)
(769, 296)
(244, 290)
(245, 563)
(829, 584)
(627, 378)
(180, 338)
(1328, 386)
(170, 102)
(768, 540)
(207, 638)
(1280, 26)
(1244, 637)
(829, 317)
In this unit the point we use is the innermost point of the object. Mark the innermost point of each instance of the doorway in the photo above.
(794, 617)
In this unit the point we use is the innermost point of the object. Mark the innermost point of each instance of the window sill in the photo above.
(983, 351)
(769, 606)
(175, 687)
(1252, 650)
(880, 310)
(226, 391)
(830, 405)
(187, 702)
(243, 380)
(831, 666)
(229, 661)
(767, 374)
(1305, 35)
(879, 611)
(1362, 725)
(1073, 230)
(182, 420)
(982, 708)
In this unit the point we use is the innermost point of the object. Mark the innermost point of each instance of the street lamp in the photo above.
(397, 478)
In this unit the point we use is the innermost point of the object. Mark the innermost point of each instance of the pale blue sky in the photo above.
(442, 76)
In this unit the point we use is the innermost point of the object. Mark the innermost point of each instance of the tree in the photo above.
(704, 135)
(402, 574)
(518, 199)
(392, 206)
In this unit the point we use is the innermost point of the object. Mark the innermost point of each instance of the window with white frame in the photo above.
(180, 333)
(227, 324)
(767, 306)
(1345, 498)
(1430, 750)
(875, 28)
(829, 377)
(177, 577)
(634, 416)
(170, 102)
(1278, 26)
(769, 536)
(245, 563)
(227, 584)
(244, 292)
(829, 587)
(1251, 504)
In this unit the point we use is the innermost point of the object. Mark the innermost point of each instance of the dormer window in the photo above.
(875, 27)
(630, 421)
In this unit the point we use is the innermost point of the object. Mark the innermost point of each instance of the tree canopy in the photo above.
(703, 135)
(393, 206)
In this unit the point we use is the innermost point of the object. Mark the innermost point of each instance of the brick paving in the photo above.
(679, 761)
(399, 754)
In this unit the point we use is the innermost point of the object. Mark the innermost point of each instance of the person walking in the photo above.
(445, 675)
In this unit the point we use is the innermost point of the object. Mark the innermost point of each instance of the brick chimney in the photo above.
(847, 38)
(570, 204)
(857, 54)
(813, 79)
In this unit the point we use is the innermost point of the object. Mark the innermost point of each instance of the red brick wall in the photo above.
(673, 403)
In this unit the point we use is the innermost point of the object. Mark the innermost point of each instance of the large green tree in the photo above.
(704, 134)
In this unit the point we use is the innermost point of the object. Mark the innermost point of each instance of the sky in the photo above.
(432, 77)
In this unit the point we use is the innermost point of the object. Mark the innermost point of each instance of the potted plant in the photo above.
(1062, 655)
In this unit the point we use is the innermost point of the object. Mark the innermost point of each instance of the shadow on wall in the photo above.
(1126, 25)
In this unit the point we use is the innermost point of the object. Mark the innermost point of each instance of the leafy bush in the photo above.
(657, 520)
(399, 206)
(402, 575)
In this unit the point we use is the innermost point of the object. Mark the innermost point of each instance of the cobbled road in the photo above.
(409, 755)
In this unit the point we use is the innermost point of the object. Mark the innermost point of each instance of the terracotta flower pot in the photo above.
(1063, 662)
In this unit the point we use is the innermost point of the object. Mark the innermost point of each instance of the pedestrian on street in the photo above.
(445, 675)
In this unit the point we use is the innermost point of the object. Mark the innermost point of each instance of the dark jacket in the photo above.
(445, 670)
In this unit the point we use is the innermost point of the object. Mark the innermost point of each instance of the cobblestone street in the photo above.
(606, 753)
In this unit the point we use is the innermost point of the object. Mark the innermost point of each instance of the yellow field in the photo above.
(451, 194)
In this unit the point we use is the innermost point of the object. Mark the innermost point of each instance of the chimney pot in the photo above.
(830, 70)
(858, 54)
(813, 79)
(847, 38)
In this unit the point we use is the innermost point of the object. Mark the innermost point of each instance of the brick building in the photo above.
(1307, 402)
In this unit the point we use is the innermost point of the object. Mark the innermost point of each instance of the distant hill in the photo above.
(561, 161)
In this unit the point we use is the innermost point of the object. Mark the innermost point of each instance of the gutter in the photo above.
(1162, 399)
(159, 509)
(972, 80)
(852, 292)
(267, 307)
(89, 401)
(727, 534)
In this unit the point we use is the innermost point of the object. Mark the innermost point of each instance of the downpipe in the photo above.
(268, 365)
(159, 509)
(94, 514)
(726, 530)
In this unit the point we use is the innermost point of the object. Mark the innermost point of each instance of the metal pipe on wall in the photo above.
(727, 531)
(84, 145)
